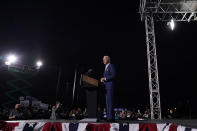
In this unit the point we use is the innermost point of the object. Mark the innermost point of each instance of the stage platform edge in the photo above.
(184, 122)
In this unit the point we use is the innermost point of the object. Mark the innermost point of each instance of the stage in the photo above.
(88, 124)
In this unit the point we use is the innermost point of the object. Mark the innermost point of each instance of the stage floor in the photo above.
(184, 122)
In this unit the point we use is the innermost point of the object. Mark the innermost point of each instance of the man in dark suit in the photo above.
(108, 79)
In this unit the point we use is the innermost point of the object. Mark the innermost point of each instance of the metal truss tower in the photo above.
(161, 10)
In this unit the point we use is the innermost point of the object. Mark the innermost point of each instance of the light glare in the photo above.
(11, 59)
(39, 63)
(7, 63)
(172, 24)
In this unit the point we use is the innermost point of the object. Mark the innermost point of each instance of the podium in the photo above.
(90, 84)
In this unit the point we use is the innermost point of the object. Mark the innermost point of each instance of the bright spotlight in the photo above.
(171, 24)
(39, 63)
(11, 59)
(7, 63)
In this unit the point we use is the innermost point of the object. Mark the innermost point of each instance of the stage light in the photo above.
(7, 63)
(171, 24)
(11, 59)
(39, 63)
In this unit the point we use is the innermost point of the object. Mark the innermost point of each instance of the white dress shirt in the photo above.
(106, 66)
(106, 69)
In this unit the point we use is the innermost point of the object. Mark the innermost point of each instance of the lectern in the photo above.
(90, 84)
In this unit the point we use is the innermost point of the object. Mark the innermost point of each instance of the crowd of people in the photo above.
(35, 109)
(24, 113)
(132, 115)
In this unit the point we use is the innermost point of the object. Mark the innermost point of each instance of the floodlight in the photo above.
(39, 63)
(7, 63)
(10, 59)
(171, 24)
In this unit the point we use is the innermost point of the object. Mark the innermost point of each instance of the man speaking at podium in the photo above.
(108, 80)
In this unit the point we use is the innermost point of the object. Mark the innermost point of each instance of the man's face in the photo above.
(57, 104)
(105, 60)
(16, 106)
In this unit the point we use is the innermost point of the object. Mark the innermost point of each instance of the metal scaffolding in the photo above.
(161, 10)
(19, 68)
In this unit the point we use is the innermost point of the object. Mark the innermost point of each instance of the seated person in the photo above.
(170, 114)
(99, 114)
(85, 113)
(16, 113)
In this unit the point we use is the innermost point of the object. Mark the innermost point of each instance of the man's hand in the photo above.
(12, 117)
(102, 79)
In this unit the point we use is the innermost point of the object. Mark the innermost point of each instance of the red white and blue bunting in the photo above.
(59, 126)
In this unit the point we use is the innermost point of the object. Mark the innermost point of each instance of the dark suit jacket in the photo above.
(110, 74)
(59, 112)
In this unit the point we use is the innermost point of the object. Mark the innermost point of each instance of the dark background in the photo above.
(76, 34)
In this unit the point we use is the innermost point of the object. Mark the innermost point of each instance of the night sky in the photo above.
(78, 33)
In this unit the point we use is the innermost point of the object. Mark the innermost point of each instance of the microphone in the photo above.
(89, 72)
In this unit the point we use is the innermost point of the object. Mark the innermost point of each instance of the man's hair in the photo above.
(57, 102)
